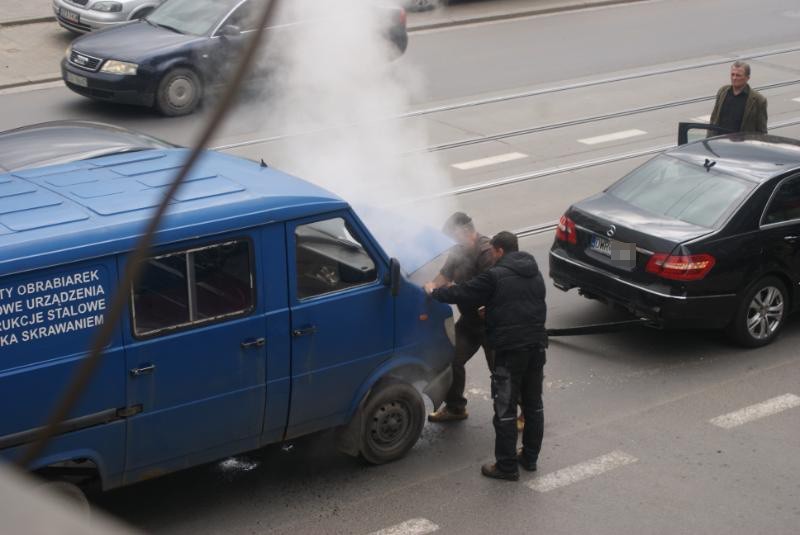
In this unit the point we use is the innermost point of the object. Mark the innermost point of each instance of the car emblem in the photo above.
(81, 60)
(611, 231)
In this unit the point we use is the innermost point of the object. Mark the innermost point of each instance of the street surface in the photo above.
(511, 121)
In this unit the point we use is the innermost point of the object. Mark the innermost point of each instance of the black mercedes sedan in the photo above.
(169, 59)
(706, 235)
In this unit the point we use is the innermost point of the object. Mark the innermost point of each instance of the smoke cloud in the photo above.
(334, 72)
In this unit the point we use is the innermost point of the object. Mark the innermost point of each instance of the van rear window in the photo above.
(193, 287)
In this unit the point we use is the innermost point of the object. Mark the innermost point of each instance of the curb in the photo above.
(518, 14)
(21, 22)
(46, 79)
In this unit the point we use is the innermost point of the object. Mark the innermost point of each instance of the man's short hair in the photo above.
(458, 220)
(506, 241)
(742, 65)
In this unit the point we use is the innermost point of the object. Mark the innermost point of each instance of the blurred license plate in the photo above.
(621, 254)
(77, 80)
(70, 16)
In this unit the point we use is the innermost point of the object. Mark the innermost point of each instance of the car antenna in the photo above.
(264, 164)
(709, 164)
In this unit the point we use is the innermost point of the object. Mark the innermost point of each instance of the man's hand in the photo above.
(429, 287)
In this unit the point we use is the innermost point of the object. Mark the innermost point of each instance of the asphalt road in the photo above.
(629, 441)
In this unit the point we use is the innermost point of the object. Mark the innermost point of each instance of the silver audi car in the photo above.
(86, 15)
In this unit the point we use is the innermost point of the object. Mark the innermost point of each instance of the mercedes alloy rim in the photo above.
(765, 313)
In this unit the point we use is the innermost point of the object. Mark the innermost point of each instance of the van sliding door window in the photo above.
(330, 258)
(193, 287)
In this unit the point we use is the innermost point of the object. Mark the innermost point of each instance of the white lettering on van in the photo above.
(8, 340)
(51, 306)
(62, 328)
(56, 283)
(14, 307)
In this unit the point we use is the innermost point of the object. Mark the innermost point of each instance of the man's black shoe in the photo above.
(526, 463)
(490, 470)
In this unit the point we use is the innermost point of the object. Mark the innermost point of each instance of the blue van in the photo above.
(266, 311)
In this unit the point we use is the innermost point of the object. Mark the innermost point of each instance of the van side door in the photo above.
(342, 317)
(196, 355)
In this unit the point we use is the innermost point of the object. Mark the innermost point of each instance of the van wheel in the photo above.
(71, 494)
(393, 420)
(761, 313)
(179, 92)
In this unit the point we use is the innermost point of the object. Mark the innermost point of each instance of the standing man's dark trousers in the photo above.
(470, 336)
(517, 377)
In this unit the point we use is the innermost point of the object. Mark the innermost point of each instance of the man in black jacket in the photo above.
(513, 292)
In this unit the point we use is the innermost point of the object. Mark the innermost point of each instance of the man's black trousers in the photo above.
(470, 336)
(517, 378)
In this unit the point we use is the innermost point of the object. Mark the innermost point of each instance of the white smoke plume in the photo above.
(338, 75)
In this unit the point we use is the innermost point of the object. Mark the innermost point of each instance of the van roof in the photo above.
(92, 208)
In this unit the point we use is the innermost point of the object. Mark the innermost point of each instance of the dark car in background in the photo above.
(59, 142)
(170, 58)
(706, 235)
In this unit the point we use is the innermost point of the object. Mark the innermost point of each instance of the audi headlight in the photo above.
(113, 66)
(68, 52)
(107, 7)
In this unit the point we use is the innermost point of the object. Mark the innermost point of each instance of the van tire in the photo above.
(393, 419)
(179, 92)
(767, 292)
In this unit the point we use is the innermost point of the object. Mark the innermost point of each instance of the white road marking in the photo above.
(579, 472)
(759, 410)
(796, 99)
(624, 134)
(492, 160)
(415, 526)
(702, 119)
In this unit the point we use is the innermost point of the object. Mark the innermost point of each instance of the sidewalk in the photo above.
(26, 11)
(32, 43)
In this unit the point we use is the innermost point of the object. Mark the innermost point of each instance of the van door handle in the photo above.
(305, 331)
(253, 342)
(149, 368)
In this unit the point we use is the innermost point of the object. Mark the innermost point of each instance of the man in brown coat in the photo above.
(738, 107)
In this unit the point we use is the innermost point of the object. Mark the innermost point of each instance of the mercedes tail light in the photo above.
(565, 230)
(682, 267)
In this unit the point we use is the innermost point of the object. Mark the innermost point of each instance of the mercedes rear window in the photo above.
(673, 188)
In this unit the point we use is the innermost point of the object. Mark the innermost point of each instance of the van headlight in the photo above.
(107, 7)
(113, 66)
(450, 329)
